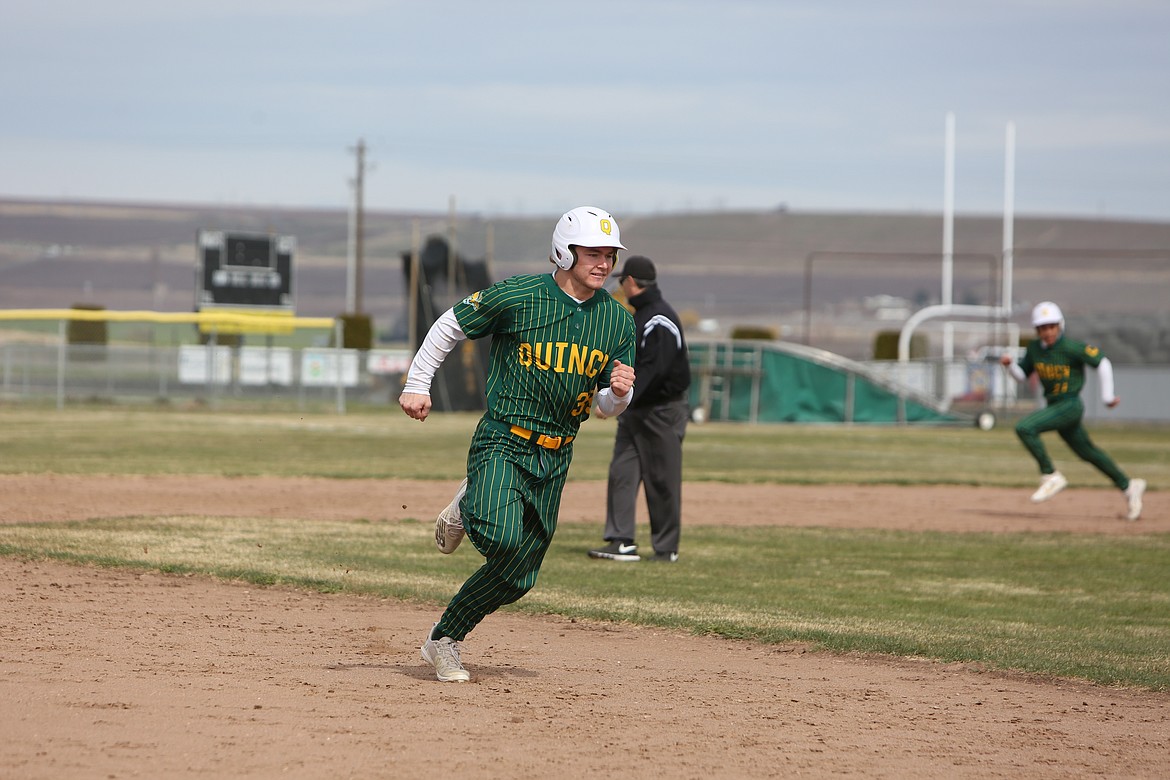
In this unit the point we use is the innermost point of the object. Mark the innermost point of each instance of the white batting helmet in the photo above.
(583, 226)
(1047, 313)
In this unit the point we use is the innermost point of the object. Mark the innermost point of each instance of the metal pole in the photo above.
(1009, 209)
(414, 281)
(808, 262)
(212, 349)
(159, 361)
(948, 260)
(850, 395)
(359, 224)
(949, 214)
(452, 265)
(351, 251)
(757, 374)
(338, 334)
(61, 348)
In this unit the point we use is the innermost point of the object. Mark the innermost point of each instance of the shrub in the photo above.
(885, 345)
(753, 333)
(358, 331)
(88, 331)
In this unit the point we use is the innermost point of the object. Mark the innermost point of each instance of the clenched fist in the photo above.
(415, 405)
(621, 379)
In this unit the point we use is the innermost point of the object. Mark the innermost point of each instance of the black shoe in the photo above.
(664, 557)
(617, 551)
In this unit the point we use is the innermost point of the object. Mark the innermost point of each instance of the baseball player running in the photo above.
(559, 341)
(1060, 363)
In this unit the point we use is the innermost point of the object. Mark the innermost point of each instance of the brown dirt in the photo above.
(116, 674)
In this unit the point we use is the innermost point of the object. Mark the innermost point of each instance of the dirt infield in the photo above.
(114, 674)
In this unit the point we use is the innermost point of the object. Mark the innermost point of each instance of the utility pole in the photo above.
(350, 254)
(489, 256)
(412, 307)
(358, 223)
(453, 287)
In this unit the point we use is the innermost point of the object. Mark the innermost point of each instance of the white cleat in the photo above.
(1133, 497)
(1050, 485)
(449, 525)
(443, 654)
(616, 551)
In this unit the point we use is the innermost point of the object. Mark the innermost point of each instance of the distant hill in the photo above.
(832, 279)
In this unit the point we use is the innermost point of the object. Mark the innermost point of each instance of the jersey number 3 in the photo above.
(584, 402)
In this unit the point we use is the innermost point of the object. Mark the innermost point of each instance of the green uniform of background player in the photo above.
(559, 341)
(1060, 363)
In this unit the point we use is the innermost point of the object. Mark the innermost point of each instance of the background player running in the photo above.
(1060, 363)
(559, 342)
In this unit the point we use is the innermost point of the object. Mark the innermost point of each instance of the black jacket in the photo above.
(662, 369)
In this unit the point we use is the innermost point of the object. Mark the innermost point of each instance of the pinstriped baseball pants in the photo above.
(510, 514)
(1064, 416)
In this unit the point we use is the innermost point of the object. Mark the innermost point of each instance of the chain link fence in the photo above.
(204, 375)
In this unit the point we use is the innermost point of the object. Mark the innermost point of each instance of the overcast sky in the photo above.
(635, 106)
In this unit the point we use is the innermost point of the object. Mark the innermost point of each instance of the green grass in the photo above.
(1093, 607)
(385, 443)
(1096, 608)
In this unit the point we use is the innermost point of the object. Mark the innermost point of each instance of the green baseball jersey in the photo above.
(1061, 367)
(549, 353)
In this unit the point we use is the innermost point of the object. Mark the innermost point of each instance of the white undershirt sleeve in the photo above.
(443, 337)
(611, 405)
(1105, 374)
(1016, 372)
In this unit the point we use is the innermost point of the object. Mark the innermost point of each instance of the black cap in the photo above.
(638, 267)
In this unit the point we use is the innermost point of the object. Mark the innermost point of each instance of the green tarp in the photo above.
(745, 381)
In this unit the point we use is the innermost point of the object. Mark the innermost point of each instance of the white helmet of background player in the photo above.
(1047, 313)
(583, 226)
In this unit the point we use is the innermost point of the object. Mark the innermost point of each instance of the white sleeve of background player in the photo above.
(443, 337)
(1105, 374)
(612, 405)
(1016, 372)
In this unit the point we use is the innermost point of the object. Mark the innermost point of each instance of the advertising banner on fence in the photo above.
(196, 368)
(321, 367)
(266, 366)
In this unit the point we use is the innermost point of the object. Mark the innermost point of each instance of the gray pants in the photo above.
(647, 452)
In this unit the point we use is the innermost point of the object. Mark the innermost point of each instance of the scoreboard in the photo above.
(245, 270)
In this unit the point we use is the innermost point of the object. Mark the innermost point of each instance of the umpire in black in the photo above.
(647, 451)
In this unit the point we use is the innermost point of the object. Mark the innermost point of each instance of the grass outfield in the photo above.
(1094, 607)
(388, 444)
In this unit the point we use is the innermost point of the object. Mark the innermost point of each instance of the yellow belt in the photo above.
(548, 442)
